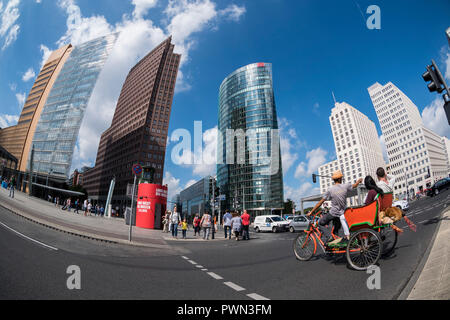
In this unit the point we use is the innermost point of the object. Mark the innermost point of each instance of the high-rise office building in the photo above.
(59, 124)
(358, 148)
(18, 139)
(416, 155)
(249, 171)
(139, 129)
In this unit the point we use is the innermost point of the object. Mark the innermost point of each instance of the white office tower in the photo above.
(358, 148)
(416, 155)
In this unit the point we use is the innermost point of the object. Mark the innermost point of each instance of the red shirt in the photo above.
(245, 219)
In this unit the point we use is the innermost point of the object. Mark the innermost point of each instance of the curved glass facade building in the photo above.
(59, 124)
(249, 171)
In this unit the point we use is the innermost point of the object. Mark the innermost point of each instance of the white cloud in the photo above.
(300, 171)
(142, 7)
(434, 117)
(173, 185)
(21, 97)
(28, 75)
(46, 53)
(8, 27)
(289, 142)
(7, 120)
(316, 158)
(233, 12)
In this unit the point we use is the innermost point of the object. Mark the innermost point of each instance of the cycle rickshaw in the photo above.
(369, 240)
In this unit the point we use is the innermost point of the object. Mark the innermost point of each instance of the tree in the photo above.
(288, 206)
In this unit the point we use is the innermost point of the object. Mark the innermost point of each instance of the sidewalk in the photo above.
(105, 229)
(434, 280)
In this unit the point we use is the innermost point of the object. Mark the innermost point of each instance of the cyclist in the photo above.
(337, 194)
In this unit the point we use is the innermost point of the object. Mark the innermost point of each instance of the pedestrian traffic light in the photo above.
(434, 76)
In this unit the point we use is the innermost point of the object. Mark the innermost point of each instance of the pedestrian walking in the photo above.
(196, 224)
(206, 223)
(102, 211)
(89, 208)
(69, 204)
(12, 185)
(166, 222)
(227, 224)
(77, 203)
(184, 228)
(236, 225)
(245, 225)
(85, 204)
(175, 220)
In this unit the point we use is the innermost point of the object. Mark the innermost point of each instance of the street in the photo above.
(34, 262)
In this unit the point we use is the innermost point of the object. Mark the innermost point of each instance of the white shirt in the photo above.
(389, 186)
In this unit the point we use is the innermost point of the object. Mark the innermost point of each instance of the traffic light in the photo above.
(433, 74)
(314, 178)
(148, 174)
(216, 192)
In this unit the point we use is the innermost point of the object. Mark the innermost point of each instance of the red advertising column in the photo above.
(151, 205)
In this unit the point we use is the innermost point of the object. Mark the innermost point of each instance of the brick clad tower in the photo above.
(139, 129)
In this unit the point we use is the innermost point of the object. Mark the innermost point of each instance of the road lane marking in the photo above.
(255, 296)
(215, 276)
(204, 269)
(193, 262)
(26, 237)
(234, 286)
(185, 258)
(199, 266)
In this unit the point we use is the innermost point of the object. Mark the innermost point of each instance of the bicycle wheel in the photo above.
(364, 249)
(389, 239)
(304, 246)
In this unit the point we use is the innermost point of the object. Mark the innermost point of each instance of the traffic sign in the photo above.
(137, 169)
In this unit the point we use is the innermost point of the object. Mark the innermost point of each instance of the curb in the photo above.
(78, 233)
(412, 280)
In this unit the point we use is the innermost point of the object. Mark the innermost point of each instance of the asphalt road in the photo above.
(34, 262)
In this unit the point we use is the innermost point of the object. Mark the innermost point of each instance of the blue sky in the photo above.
(316, 47)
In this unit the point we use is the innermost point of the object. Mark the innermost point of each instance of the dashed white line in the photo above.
(255, 296)
(193, 262)
(234, 286)
(26, 237)
(199, 266)
(185, 258)
(215, 276)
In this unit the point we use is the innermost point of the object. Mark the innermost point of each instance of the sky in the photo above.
(316, 47)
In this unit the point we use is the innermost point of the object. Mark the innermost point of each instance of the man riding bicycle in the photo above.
(337, 194)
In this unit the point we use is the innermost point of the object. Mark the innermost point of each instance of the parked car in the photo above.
(402, 204)
(270, 223)
(298, 223)
(439, 186)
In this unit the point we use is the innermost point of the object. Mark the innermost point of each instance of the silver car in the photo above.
(298, 223)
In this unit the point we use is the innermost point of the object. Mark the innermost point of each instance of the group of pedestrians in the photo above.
(233, 222)
(237, 224)
(86, 207)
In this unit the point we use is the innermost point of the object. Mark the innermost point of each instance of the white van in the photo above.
(270, 223)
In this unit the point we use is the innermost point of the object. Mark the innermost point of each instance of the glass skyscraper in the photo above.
(58, 127)
(249, 171)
